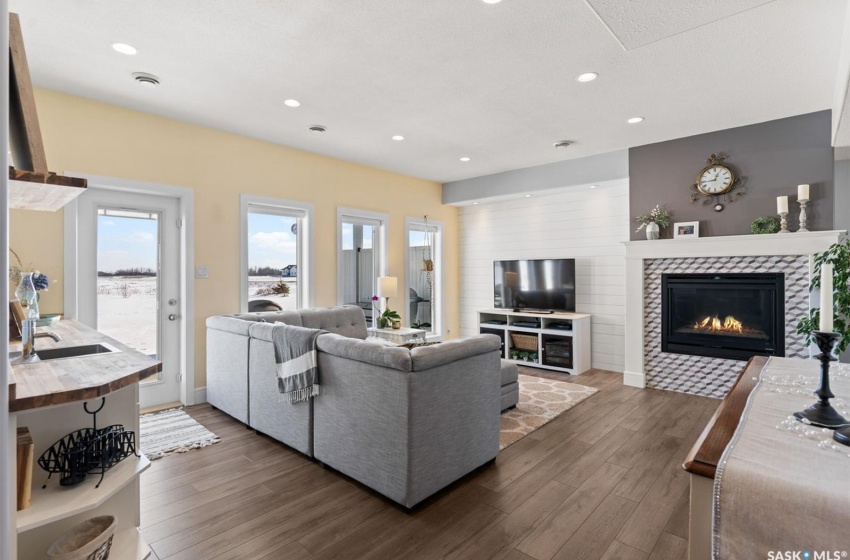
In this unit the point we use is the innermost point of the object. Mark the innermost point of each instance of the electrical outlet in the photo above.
(202, 272)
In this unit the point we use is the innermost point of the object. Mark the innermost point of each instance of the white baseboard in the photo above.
(200, 395)
(633, 379)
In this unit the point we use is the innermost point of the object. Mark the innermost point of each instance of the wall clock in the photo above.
(715, 182)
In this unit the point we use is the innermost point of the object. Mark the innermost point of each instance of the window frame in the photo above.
(303, 211)
(383, 239)
(437, 311)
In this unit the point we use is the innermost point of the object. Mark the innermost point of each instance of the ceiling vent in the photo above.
(145, 79)
(563, 144)
(317, 128)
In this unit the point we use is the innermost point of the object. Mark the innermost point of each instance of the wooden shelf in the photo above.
(129, 545)
(57, 502)
(48, 192)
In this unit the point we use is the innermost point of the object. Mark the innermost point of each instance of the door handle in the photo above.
(172, 317)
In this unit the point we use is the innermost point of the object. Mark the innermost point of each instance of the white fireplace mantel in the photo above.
(807, 243)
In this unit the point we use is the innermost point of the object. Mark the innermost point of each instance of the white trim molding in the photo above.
(808, 244)
(186, 199)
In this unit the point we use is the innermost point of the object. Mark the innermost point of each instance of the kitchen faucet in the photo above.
(28, 336)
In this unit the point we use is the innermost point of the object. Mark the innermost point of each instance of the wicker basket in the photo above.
(525, 341)
(89, 540)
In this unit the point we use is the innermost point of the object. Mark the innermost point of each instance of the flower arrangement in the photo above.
(18, 269)
(388, 317)
(656, 216)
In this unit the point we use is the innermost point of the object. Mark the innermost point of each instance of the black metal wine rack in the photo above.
(88, 451)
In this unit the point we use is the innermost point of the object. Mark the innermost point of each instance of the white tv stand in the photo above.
(575, 342)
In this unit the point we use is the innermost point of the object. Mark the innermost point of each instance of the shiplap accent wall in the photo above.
(588, 225)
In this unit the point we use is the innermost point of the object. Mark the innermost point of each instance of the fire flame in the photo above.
(729, 324)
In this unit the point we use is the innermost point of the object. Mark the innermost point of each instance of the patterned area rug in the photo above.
(540, 401)
(172, 431)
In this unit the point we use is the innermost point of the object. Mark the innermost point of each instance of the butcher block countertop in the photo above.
(60, 381)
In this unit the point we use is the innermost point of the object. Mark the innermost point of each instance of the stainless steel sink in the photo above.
(74, 351)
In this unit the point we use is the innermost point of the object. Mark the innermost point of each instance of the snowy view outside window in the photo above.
(127, 278)
(273, 259)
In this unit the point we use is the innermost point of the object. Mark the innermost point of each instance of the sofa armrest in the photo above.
(229, 324)
(427, 357)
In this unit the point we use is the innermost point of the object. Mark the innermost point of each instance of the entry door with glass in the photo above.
(129, 279)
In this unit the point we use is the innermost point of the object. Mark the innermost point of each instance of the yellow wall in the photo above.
(91, 137)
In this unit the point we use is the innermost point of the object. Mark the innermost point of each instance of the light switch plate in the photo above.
(202, 272)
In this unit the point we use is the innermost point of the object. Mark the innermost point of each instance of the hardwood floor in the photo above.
(603, 481)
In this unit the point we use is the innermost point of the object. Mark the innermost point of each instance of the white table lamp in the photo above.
(387, 288)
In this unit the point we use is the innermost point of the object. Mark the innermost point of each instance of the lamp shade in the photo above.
(387, 286)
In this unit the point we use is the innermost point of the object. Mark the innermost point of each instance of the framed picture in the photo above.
(685, 230)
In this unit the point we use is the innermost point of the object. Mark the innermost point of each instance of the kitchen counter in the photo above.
(50, 382)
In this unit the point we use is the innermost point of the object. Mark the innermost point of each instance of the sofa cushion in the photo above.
(363, 351)
(345, 320)
(510, 373)
(288, 317)
(427, 357)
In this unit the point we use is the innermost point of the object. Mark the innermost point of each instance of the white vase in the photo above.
(653, 231)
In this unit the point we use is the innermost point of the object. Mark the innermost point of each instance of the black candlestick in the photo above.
(821, 413)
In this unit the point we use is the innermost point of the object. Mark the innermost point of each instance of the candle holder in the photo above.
(822, 414)
(783, 222)
(803, 203)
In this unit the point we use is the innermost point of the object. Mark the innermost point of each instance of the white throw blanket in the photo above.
(297, 366)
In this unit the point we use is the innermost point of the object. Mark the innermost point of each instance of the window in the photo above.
(425, 275)
(276, 251)
(362, 257)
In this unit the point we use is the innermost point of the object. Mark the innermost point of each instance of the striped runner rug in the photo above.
(172, 431)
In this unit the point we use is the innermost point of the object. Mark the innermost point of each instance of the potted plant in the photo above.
(388, 319)
(653, 222)
(838, 255)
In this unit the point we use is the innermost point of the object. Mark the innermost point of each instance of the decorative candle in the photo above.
(781, 204)
(803, 192)
(826, 309)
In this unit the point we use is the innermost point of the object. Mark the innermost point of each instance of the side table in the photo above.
(399, 336)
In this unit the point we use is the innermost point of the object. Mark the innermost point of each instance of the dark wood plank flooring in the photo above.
(603, 481)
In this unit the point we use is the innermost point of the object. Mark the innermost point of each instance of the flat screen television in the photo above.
(543, 284)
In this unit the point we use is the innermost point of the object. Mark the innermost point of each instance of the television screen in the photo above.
(545, 284)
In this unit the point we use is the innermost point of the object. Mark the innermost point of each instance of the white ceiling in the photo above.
(494, 82)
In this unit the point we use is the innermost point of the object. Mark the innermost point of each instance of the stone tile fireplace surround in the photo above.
(646, 261)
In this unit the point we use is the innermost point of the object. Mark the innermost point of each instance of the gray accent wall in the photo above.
(773, 157)
(573, 172)
(842, 195)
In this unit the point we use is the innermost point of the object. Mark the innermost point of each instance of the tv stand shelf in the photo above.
(556, 349)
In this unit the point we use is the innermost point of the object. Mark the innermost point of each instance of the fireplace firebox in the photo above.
(734, 316)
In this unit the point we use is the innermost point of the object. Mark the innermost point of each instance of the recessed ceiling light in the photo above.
(593, 186)
(398, 137)
(464, 159)
(528, 196)
(561, 144)
(145, 79)
(292, 103)
(635, 120)
(475, 204)
(491, 1)
(587, 77)
(124, 48)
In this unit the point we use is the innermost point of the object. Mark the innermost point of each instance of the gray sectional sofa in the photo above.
(405, 422)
